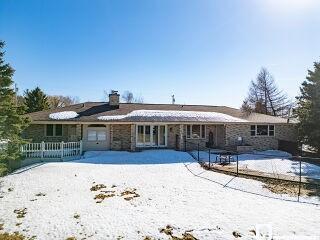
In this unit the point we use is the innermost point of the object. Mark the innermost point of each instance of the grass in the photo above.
(168, 230)
(130, 194)
(97, 187)
(100, 197)
(13, 236)
(20, 212)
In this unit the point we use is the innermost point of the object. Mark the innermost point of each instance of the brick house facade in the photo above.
(116, 126)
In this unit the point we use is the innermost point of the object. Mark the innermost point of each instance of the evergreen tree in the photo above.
(12, 122)
(36, 100)
(308, 109)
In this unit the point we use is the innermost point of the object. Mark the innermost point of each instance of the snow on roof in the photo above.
(63, 115)
(173, 116)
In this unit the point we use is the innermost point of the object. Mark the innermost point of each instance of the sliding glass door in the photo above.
(151, 135)
(155, 138)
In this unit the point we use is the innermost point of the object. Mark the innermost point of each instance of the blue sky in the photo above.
(204, 52)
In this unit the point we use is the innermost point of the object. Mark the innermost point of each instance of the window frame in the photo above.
(202, 134)
(255, 130)
(149, 143)
(96, 133)
(54, 134)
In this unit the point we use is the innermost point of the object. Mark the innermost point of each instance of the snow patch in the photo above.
(270, 161)
(163, 115)
(178, 192)
(63, 115)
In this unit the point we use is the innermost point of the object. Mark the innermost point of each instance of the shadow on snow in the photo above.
(163, 156)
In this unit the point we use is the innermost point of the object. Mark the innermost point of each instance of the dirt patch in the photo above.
(97, 187)
(71, 238)
(129, 194)
(10, 189)
(13, 236)
(1, 226)
(20, 212)
(147, 238)
(101, 197)
(310, 187)
(291, 188)
(168, 230)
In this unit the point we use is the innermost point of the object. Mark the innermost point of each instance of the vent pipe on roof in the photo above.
(173, 99)
(114, 98)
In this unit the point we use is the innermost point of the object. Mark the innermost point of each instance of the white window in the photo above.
(92, 135)
(262, 130)
(196, 131)
(97, 135)
(101, 135)
(54, 130)
(151, 135)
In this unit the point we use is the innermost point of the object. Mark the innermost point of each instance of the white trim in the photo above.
(150, 143)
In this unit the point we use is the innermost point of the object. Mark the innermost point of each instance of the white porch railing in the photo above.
(52, 149)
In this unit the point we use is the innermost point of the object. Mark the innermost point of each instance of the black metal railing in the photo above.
(295, 169)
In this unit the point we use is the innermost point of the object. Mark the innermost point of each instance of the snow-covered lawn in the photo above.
(271, 161)
(141, 193)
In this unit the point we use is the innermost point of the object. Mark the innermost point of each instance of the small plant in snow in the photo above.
(129, 194)
(40, 194)
(100, 197)
(97, 187)
(20, 212)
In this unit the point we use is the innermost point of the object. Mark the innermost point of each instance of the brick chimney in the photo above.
(114, 97)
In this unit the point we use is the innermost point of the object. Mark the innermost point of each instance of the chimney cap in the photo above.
(114, 92)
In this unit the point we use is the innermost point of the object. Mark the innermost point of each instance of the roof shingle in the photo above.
(91, 111)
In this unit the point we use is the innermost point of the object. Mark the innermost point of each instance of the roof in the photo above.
(141, 112)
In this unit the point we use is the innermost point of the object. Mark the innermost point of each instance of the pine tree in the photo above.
(308, 109)
(265, 97)
(36, 100)
(12, 122)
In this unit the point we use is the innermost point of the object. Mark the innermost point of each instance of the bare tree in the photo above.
(127, 97)
(138, 99)
(265, 97)
(58, 101)
(106, 95)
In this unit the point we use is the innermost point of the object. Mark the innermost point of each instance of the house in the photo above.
(130, 126)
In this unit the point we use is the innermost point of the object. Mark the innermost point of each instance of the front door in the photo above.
(96, 137)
